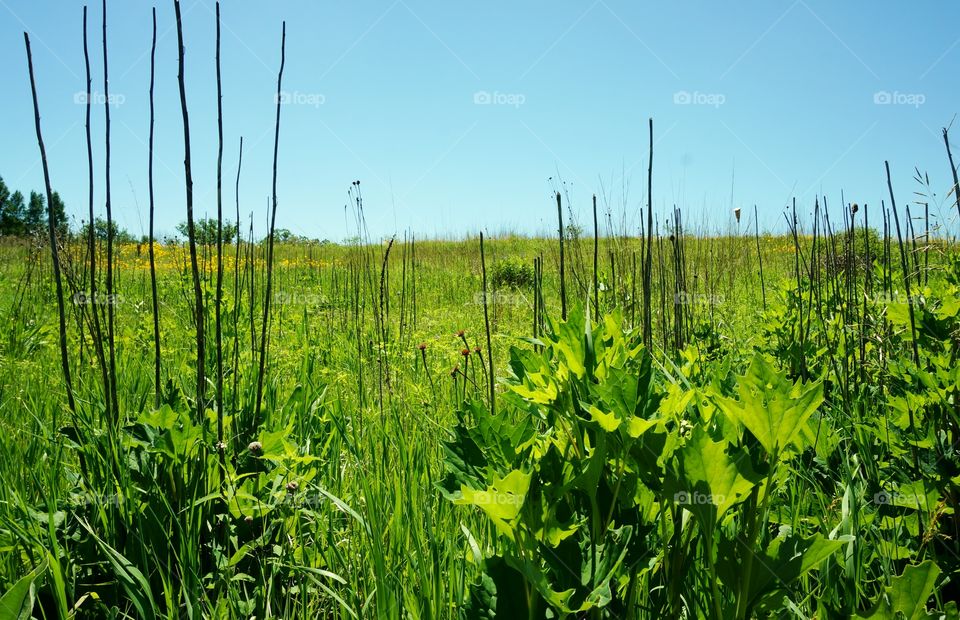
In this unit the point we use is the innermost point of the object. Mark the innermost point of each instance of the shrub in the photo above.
(512, 273)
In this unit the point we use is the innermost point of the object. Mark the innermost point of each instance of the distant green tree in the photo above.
(60, 215)
(19, 217)
(4, 194)
(120, 235)
(206, 231)
(35, 217)
(285, 235)
(11, 219)
(10, 205)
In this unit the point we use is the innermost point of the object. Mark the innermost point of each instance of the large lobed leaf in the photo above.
(772, 408)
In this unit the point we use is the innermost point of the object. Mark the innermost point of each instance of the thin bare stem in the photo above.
(273, 224)
(52, 228)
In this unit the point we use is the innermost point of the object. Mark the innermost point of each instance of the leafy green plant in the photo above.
(589, 474)
(511, 273)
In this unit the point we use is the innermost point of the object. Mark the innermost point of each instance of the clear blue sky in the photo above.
(770, 99)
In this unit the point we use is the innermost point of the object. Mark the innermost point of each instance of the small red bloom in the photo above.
(422, 346)
(465, 353)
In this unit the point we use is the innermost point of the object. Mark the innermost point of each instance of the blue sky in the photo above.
(460, 117)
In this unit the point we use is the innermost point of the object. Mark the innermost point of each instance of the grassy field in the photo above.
(435, 441)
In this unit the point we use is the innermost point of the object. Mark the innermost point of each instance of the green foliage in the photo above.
(19, 218)
(12, 212)
(17, 603)
(511, 273)
(778, 465)
(770, 407)
(205, 230)
(592, 462)
(101, 232)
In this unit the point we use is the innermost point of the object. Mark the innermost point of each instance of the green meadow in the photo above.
(435, 440)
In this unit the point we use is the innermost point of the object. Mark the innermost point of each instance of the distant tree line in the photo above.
(21, 217)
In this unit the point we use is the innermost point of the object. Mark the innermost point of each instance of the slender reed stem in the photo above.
(191, 229)
(110, 229)
(953, 169)
(273, 223)
(596, 241)
(218, 327)
(91, 232)
(52, 229)
(563, 279)
(486, 322)
(153, 267)
(648, 262)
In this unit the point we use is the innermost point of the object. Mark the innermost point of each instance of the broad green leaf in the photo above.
(134, 584)
(607, 421)
(771, 407)
(710, 480)
(571, 343)
(639, 426)
(538, 388)
(907, 594)
(17, 602)
(787, 559)
(502, 500)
